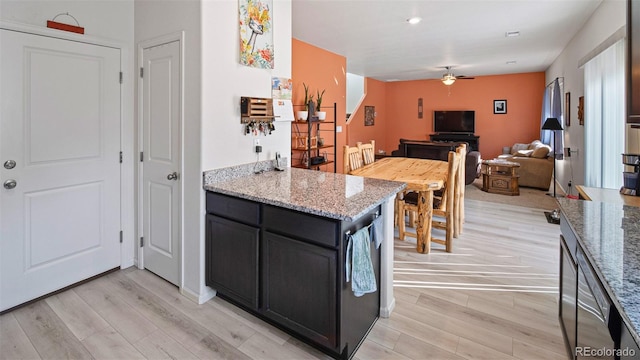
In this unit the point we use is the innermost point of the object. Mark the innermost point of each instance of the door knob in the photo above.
(9, 164)
(172, 176)
(10, 184)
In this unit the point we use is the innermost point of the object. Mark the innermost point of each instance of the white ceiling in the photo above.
(468, 35)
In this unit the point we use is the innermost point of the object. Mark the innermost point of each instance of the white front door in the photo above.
(59, 164)
(161, 187)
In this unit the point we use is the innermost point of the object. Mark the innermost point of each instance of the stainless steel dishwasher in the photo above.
(598, 320)
(568, 288)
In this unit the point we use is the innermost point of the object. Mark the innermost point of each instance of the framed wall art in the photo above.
(256, 33)
(581, 110)
(369, 115)
(499, 106)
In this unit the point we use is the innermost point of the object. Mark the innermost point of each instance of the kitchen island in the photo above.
(278, 245)
(603, 239)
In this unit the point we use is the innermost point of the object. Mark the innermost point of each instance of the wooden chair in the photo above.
(460, 189)
(352, 159)
(368, 151)
(443, 207)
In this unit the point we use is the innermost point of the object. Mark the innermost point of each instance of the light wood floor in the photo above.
(494, 297)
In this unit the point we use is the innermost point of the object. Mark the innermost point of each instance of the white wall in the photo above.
(225, 81)
(355, 91)
(606, 20)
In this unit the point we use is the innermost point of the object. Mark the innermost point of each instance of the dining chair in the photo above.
(352, 158)
(443, 207)
(460, 189)
(368, 152)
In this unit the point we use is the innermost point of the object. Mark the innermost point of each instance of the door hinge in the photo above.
(121, 77)
(121, 236)
(120, 157)
(141, 241)
(141, 156)
(141, 72)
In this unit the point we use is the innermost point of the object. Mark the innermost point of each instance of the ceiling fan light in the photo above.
(448, 79)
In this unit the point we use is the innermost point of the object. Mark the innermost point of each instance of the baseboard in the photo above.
(385, 312)
(207, 295)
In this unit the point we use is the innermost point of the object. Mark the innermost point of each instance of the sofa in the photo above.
(536, 163)
(425, 149)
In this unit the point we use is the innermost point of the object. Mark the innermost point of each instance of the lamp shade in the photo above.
(551, 124)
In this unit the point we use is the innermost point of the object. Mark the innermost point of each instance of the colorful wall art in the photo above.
(256, 33)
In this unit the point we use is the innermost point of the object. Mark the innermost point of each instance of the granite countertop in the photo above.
(610, 235)
(335, 196)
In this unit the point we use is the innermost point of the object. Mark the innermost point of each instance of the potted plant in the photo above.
(303, 114)
(321, 114)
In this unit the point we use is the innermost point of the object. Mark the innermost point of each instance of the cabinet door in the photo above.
(300, 287)
(232, 259)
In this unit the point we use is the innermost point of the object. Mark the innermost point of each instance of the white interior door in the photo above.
(59, 164)
(162, 160)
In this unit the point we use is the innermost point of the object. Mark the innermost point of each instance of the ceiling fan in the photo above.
(448, 78)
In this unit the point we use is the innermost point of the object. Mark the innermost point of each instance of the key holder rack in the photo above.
(256, 109)
(257, 115)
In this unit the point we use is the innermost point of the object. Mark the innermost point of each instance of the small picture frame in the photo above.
(581, 110)
(499, 106)
(369, 115)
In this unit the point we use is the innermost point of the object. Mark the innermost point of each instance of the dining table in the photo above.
(423, 176)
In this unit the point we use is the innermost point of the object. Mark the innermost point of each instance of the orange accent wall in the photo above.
(320, 69)
(521, 123)
(375, 95)
(396, 103)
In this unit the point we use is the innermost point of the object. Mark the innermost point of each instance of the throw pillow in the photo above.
(517, 147)
(541, 152)
(534, 144)
(526, 153)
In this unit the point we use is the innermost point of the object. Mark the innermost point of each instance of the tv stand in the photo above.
(472, 140)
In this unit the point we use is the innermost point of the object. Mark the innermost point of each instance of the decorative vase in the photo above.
(302, 115)
(321, 115)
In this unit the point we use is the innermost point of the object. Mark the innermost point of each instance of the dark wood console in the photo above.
(471, 139)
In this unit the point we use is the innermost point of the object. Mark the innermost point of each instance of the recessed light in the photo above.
(512, 33)
(414, 20)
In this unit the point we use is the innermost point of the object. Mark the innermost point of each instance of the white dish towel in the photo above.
(358, 263)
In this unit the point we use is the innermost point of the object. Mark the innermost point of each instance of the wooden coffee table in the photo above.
(500, 177)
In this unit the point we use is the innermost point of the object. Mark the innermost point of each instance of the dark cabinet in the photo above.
(472, 140)
(590, 320)
(628, 345)
(288, 268)
(633, 61)
(232, 259)
(299, 277)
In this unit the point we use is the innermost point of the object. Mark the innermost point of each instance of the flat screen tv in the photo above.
(454, 121)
